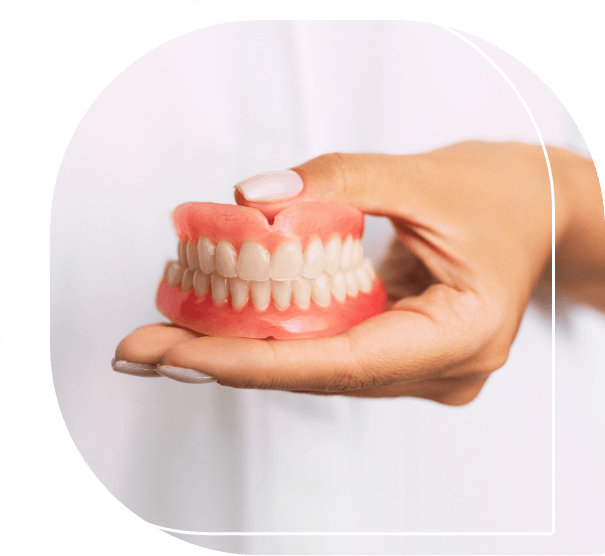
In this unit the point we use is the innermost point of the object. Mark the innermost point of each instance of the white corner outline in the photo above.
(185, 532)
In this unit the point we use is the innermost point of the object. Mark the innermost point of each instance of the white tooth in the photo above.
(287, 262)
(351, 282)
(174, 274)
(220, 288)
(187, 280)
(332, 256)
(301, 293)
(314, 259)
(226, 259)
(357, 253)
(346, 255)
(253, 262)
(321, 290)
(200, 283)
(282, 293)
(363, 279)
(183, 253)
(339, 286)
(193, 261)
(370, 267)
(206, 250)
(261, 294)
(239, 293)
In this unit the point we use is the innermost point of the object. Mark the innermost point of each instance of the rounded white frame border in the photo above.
(184, 532)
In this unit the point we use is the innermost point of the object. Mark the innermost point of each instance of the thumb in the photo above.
(363, 181)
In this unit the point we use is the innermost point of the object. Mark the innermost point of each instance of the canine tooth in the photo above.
(182, 253)
(200, 283)
(253, 262)
(287, 262)
(193, 260)
(314, 259)
(351, 282)
(239, 293)
(357, 253)
(206, 252)
(187, 280)
(174, 274)
(282, 293)
(320, 290)
(339, 286)
(370, 267)
(226, 259)
(363, 279)
(346, 255)
(220, 288)
(332, 256)
(261, 294)
(301, 293)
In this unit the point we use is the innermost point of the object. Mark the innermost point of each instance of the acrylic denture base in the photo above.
(301, 276)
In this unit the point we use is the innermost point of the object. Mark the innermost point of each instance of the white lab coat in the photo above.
(211, 108)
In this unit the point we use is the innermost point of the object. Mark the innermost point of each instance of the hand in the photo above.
(476, 220)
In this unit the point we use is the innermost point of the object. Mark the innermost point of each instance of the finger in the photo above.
(422, 341)
(374, 183)
(147, 345)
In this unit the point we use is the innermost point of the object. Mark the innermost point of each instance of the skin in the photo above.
(473, 223)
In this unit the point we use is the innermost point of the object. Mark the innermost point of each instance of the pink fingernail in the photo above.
(271, 186)
(182, 374)
(135, 369)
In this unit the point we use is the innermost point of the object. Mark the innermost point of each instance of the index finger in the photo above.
(418, 338)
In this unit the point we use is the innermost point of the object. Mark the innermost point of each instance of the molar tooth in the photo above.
(332, 256)
(301, 293)
(287, 262)
(193, 261)
(314, 259)
(200, 283)
(174, 274)
(220, 288)
(239, 293)
(226, 259)
(320, 290)
(339, 286)
(282, 293)
(363, 279)
(357, 253)
(182, 250)
(187, 280)
(351, 282)
(261, 294)
(253, 262)
(206, 250)
(346, 255)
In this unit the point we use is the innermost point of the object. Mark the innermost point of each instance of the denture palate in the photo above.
(288, 275)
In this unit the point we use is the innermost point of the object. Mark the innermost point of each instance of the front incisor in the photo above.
(287, 262)
(253, 262)
(220, 288)
(226, 259)
(282, 293)
(206, 250)
(239, 293)
(261, 294)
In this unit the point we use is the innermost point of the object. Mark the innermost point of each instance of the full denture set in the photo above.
(302, 275)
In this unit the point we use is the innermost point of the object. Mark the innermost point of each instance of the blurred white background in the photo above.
(209, 109)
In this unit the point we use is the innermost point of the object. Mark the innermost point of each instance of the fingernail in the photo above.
(182, 374)
(135, 369)
(271, 186)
